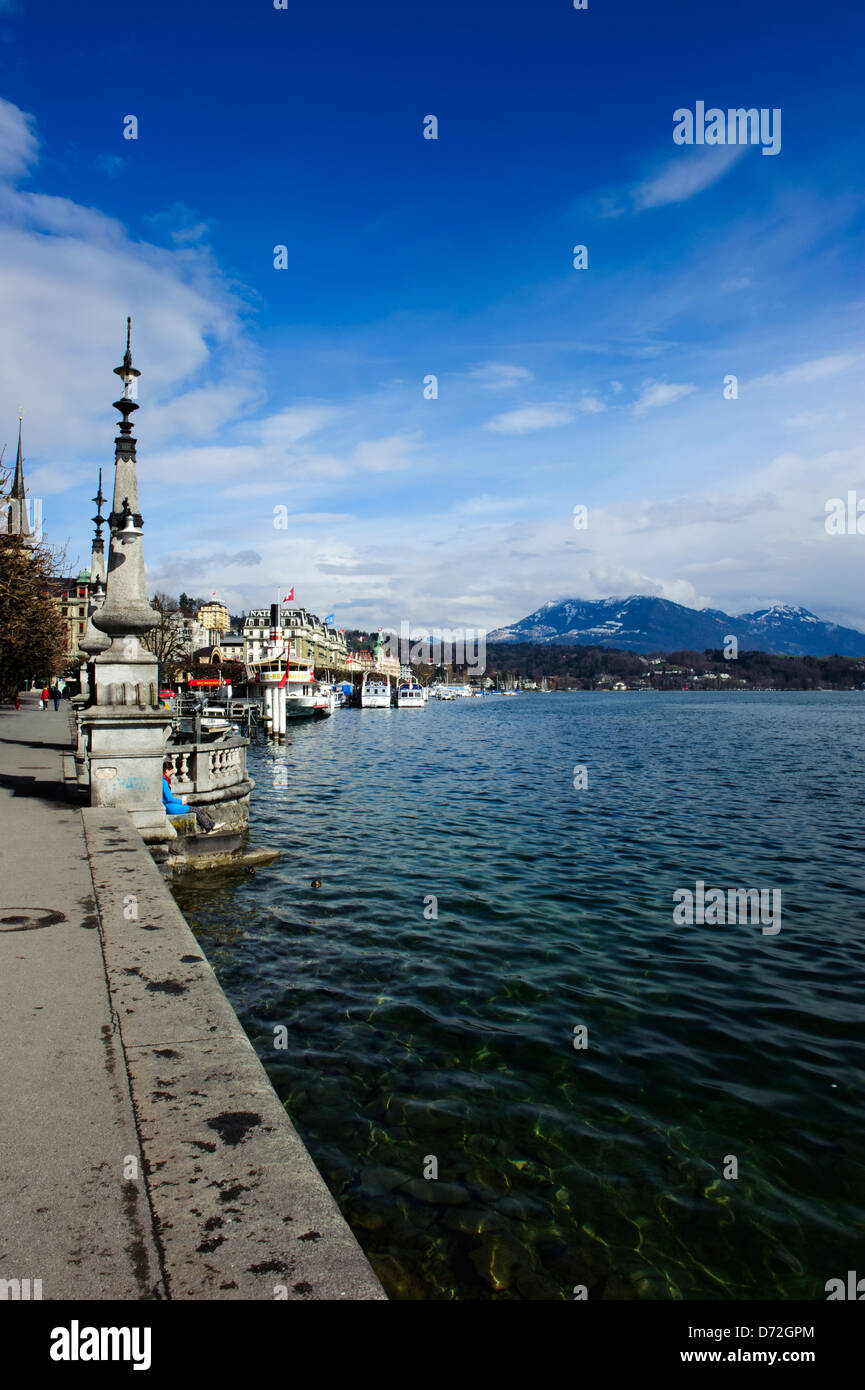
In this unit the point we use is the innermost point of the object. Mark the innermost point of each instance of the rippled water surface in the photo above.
(413, 1037)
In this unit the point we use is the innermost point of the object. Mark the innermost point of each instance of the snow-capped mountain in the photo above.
(644, 624)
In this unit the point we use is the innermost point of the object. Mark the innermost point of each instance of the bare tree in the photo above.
(166, 640)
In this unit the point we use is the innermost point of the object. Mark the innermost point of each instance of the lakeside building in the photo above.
(323, 648)
(228, 648)
(375, 658)
(72, 596)
(215, 619)
(190, 634)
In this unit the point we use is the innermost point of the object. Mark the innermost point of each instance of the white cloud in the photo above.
(499, 376)
(530, 418)
(18, 142)
(806, 372)
(385, 455)
(657, 393)
(687, 173)
(286, 427)
(69, 275)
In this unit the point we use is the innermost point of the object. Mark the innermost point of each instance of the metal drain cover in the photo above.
(29, 918)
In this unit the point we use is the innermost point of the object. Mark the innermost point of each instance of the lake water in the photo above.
(414, 1038)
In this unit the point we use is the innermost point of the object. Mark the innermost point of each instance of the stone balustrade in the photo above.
(201, 769)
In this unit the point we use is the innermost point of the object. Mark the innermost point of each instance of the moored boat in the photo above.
(342, 692)
(409, 694)
(375, 691)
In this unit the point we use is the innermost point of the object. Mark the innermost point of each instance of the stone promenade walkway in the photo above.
(143, 1151)
(67, 1217)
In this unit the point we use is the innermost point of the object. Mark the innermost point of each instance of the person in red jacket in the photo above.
(44, 698)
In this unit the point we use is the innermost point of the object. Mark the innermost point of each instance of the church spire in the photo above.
(18, 484)
(17, 522)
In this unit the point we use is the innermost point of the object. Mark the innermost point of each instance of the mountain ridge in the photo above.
(645, 623)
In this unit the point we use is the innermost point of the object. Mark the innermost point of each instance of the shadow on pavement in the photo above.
(45, 791)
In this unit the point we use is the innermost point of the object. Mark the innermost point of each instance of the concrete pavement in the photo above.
(143, 1152)
(67, 1217)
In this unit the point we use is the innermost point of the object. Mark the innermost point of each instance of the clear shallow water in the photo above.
(453, 1038)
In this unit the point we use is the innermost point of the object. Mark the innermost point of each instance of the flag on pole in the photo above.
(289, 596)
(328, 620)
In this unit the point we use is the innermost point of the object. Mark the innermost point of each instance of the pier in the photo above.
(143, 1151)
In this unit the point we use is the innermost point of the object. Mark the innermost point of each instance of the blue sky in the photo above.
(303, 388)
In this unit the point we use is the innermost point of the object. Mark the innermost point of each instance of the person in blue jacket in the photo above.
(175, 807)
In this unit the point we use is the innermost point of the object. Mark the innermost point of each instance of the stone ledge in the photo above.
(240, 1210)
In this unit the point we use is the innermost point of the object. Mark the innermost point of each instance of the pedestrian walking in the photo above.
(44, 698)
(55, 696)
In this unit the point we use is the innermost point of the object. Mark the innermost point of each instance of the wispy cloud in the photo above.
(385, 455)
(590, 405)
(530, 418)
(685, 175)
(656, 393)
(19, 145)
(110, 164)
(805, 372)
(286, 427)
(498, 376)
(186, 563)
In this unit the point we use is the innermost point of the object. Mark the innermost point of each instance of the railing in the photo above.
(207, 767)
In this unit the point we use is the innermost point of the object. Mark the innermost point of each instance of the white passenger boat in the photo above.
(305, 697)
(375, 691)
(409, 695)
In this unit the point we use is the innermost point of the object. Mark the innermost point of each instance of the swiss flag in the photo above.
(289, 596)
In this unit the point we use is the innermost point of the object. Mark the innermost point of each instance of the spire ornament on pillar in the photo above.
(126, 613)
(94, 641)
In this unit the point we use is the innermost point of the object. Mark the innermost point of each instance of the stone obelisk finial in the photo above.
(126, 612)
(94, 641)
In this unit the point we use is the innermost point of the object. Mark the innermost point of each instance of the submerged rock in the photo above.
(435, 1193)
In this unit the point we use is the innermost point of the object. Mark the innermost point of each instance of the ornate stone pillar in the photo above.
(125, 727)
